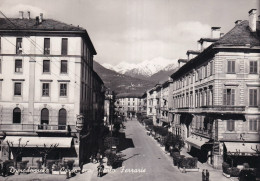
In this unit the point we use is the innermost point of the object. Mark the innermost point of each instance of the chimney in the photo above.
(37, 20)
(221, 34)
(252, 20)
(41, 18)
(28, 13)
(238, 22)
(199, 45)
(20, 14)
(215, 32)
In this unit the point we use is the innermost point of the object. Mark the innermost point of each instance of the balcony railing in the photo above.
(34, 128)
(211, 109)
(202, 132)
(51, 128)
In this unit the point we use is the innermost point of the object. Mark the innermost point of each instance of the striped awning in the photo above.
(196, 141)
(239, 147)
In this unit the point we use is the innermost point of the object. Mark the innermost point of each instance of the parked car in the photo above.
(247, 175)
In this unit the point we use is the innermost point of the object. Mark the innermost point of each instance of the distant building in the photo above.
(46, 81)
(129, 105)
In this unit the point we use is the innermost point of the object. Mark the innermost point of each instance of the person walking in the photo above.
(207, 175)
(203, 175)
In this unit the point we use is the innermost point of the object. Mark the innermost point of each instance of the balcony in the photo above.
(34, 128)
(222, 108)
(202, 132)
(45, 128)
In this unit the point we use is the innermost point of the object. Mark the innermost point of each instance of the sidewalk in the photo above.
(215, 175)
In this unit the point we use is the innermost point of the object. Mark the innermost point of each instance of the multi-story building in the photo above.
(216, 95)
(46, 81)
(129, 104)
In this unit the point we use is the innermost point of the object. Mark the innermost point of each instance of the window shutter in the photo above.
(233, 67)
(225, 97)
(233, 97)
(255, 67)
(255, 97)
(250, 97)
(251, 66)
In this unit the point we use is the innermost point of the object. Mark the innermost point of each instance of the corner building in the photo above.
(216, 96)
(46, 81)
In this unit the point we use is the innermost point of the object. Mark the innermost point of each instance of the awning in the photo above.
(196, 141)
(15, 141)
(239, 147)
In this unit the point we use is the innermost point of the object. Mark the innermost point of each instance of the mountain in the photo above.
(145, 69)
(121, 83)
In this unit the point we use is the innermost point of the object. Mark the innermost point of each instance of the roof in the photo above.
(26, 26)
(240, 35)
(183, 60)
(129, 95)
(30, 24)
(193, 52)
(208, 39)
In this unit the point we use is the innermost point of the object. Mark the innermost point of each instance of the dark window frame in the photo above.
(45, 89)
(64, 66)
(16, 91)
(18, 66)
(229, 97)
(63, 89)
(64, 46)
(46, 66)
(231, 125)
(19, 45)
(17, 115)
(47, 46)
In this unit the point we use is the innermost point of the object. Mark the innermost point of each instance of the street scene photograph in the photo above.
(129, 90)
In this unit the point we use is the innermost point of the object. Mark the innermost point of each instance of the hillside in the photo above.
(121, 83)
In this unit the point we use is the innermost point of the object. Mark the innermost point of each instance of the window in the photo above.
(229, 97)
(18, 66)
(19, 49)
(46, 66)
(62, 119)
(231, 66)
(17, 88)
(45, 89)
(0, 65)
(45, 116)
(231, 125)
(64, 66)
(253, 97)
(46, 46)
(17, 115)
(211, 68)
(253, 125)
(253, 67)
(63, 89)
(64, 46)
(206, 71)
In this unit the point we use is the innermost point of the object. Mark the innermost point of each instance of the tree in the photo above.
(18, 151)
(45, 151)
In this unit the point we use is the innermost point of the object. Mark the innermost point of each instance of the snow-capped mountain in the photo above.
(146, 68)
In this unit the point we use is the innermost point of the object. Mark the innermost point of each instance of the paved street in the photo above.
(146, 154)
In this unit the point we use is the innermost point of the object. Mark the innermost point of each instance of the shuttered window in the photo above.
(231, 125)
(231, 66)
(253, 97)
(229, 97)
(17, 89)
(46, 66)
(253, 125)
(253, 67)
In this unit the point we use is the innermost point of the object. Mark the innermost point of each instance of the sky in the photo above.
(137, 30)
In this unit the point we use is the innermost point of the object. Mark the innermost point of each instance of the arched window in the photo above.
(62, 118)
(45, 116)
(17, 115)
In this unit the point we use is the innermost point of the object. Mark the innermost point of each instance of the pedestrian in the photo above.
(207, 175)
(98, 156)
(81, 167)
(4, 170)
(203, 175)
